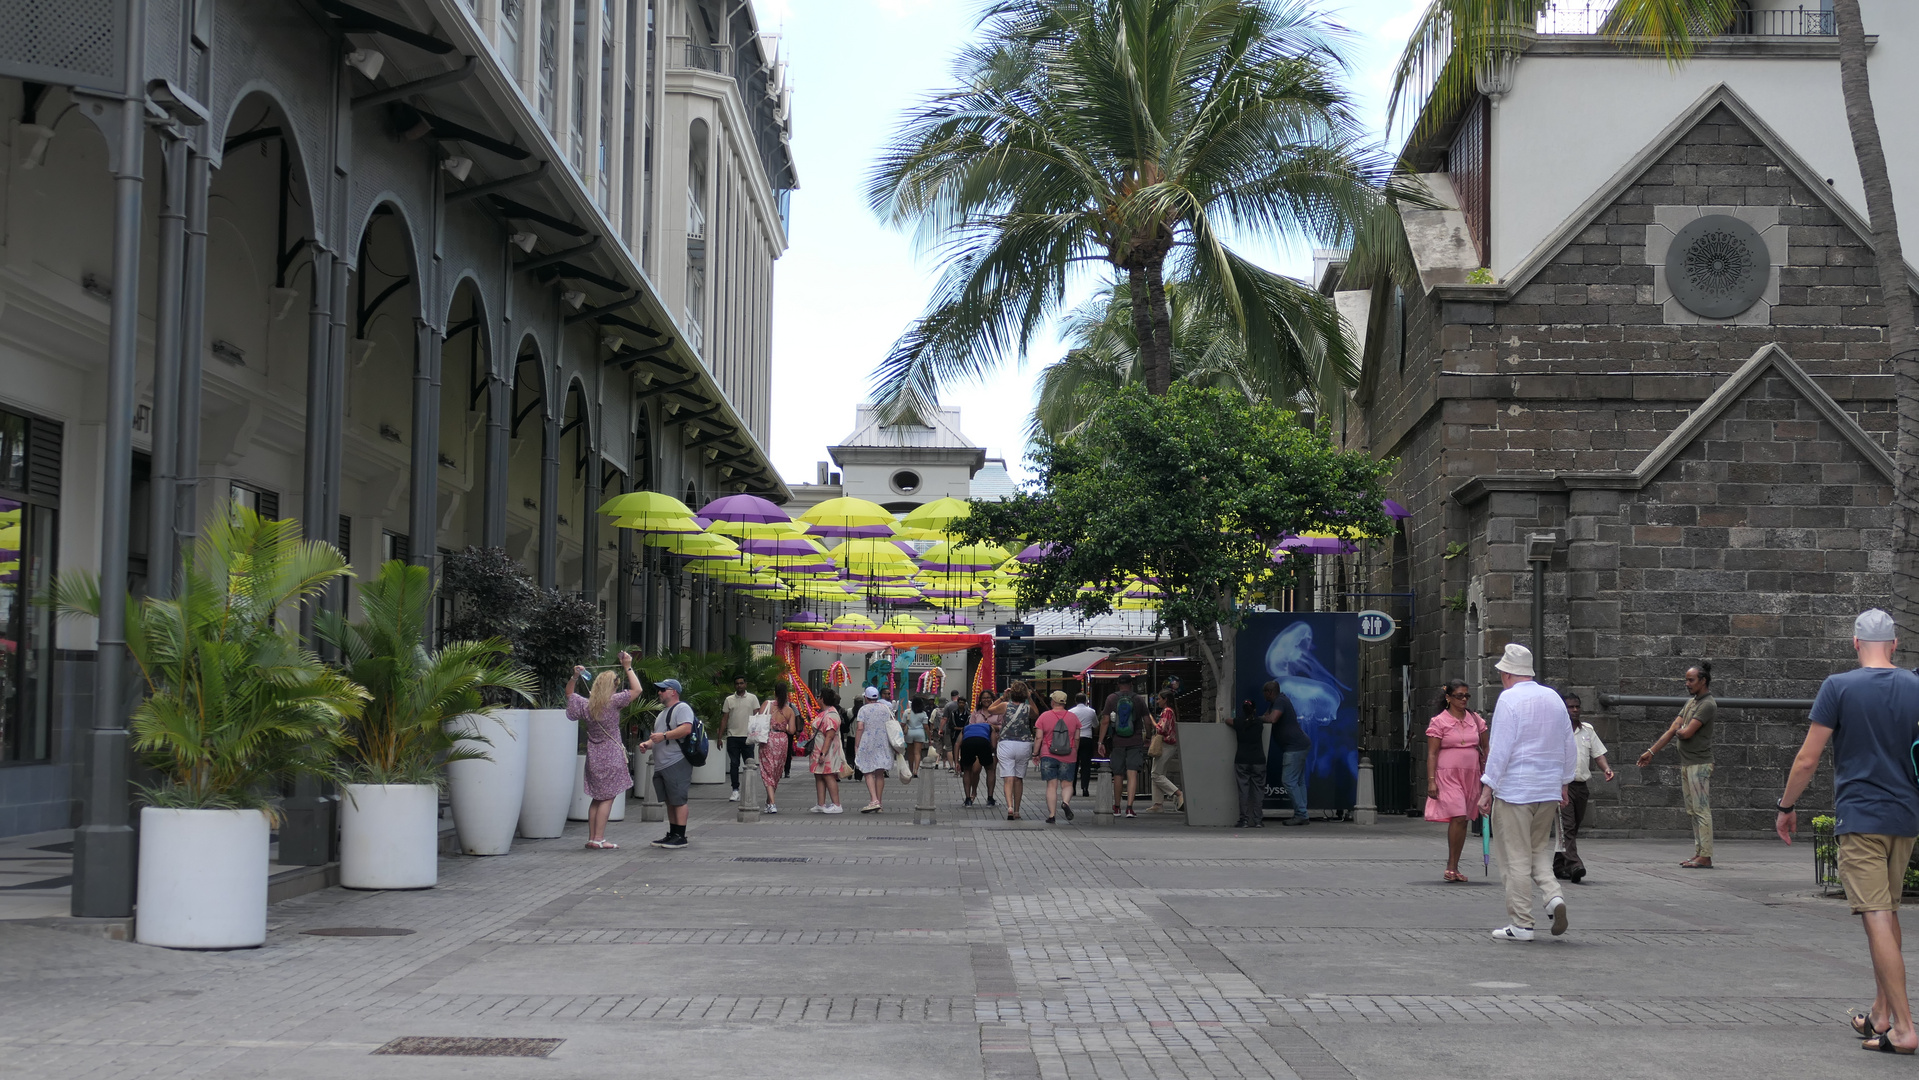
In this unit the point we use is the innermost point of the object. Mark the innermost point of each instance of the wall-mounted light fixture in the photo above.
(367, 62)
(389, 432)
(228, 351)
(447, 462)
(529, 504)
(574, 298)
(93, 286)
(458, 166)
(524, 241)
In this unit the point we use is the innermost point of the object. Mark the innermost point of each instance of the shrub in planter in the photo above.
(235, 706)
(560, 630)
(389, 830)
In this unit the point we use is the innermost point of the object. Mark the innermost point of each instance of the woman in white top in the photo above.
(873, 753)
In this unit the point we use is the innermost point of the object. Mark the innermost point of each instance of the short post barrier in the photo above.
(925, 813)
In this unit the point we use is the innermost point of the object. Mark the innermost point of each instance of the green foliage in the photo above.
(1481, 276)
(1194, 489)
(707, 678)
(1133, 133)
(1456, 602)
(400, 737)
(561, 630)
(1453, 551)
(235, 706)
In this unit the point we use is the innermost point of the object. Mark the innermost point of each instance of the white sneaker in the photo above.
(1513, 933)
(817, 810)
(1556, 907)
(735, 797)
(769, 808)
(834, 809)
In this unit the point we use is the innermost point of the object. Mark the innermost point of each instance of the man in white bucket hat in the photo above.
(1528, 766)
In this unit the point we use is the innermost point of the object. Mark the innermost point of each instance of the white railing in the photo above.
(695, 218)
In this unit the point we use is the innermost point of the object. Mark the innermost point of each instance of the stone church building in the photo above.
(1669, 405)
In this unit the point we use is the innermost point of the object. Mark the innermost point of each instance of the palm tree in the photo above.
(1206, 349)
(1131, 133)
(1672, 28)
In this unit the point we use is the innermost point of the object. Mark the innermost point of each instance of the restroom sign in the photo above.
(1376, 626)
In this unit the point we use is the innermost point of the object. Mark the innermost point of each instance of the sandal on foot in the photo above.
(1883, 1044)
(1696, 864)
(1455, 876)
(1862, 1026)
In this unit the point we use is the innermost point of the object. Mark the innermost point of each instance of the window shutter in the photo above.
(43, 460)
(346, 537)
(269, 505)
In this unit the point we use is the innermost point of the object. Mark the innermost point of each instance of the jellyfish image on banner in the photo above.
(1314, 658)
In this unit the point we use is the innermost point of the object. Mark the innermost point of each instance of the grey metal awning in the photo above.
(1075, 664)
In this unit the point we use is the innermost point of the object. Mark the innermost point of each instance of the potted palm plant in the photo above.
(560, 630)
(235, 706)
(389, 820)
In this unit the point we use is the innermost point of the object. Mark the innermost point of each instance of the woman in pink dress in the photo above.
(607, 774)
(778, 739)
(828, 757)
(1455, 757)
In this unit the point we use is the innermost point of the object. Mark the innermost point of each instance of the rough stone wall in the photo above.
(1577, 371)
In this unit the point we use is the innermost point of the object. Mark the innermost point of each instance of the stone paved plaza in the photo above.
(866, 946)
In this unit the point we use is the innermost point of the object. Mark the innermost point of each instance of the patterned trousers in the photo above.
(1695, 782)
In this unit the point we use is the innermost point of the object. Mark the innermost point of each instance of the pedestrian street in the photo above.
(865, 946)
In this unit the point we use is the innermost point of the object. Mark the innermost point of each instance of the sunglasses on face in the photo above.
(1461, 694)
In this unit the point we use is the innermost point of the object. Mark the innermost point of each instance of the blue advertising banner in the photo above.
(1315, 658)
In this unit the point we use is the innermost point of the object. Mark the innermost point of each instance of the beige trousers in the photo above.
(1523, 840)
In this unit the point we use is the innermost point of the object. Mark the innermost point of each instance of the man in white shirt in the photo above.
(1590, 752)
(1528, 768)
(738, 708)
(1083, 766)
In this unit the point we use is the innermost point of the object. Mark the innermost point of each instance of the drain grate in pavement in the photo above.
(899, 838)
(765, 858)
(358, 931)
(466, 1046)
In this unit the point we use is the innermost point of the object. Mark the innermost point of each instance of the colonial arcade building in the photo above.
(420, 273)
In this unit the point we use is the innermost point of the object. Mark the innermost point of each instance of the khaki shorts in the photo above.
(1872, 867)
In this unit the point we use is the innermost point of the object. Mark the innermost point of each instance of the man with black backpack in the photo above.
(1122, 734)
(678, 743)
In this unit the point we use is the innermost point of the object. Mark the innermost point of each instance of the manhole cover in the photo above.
(358, 931)
(464, 1046)
(763, 858)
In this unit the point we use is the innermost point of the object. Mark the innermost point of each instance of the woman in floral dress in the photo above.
(1455, 756)
(607, 775)
(778, 740)
(828, 759)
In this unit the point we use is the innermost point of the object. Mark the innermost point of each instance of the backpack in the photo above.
(1123, 718)
(1061, 742)
(695, 745)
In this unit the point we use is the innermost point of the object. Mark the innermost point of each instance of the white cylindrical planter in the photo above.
(552, 746)
(714, 771)
(487, 794)
(203, 878)
(390, 836)
(1206, 766)
(582, 802)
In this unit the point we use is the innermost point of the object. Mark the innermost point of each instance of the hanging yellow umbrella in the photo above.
(645, 504)
(658, 525)
(757, 530)
(872, 552)
(847, 516)
(853, 620)
(702, 545)
(937, 516)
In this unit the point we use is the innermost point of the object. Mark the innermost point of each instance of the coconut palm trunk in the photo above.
(1901, 338)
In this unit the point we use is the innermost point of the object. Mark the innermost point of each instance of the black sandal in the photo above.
(1886, 1045)
(1862, 1026)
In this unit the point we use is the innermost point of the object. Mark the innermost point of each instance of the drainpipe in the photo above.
(493, 516)
(193, 340)
(1539, 552)
(549, 500)
(423, 496)
(166, 366)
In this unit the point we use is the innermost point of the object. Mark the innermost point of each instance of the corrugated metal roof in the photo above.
(942, 432)
(992, 481)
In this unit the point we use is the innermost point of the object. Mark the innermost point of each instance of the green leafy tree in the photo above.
(1133, 133)
(1194, 489)
(1454, 38)
(401, 737)
(235, 704)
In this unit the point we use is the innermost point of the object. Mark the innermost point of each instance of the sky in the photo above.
(848, 284)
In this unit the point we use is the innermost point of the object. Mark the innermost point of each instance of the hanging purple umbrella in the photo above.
(742, 507)
(1033, 553)
(786, 545)
(1313, 545)
(1394, 510)
(805, 616)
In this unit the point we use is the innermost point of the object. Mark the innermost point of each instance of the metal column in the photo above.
(169, 270)
(549, 499)
(103, 845)
(193, 350)
(423, 490)
(499, 398)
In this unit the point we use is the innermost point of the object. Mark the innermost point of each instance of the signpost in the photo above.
(1375, 625)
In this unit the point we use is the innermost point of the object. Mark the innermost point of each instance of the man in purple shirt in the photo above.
(1528, 767)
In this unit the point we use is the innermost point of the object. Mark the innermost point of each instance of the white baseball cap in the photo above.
(872, 693)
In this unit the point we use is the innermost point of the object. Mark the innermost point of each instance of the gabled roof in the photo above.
(1629, 174)
(941, 431)
(1771, 358)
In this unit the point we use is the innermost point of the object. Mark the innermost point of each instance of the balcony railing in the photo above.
(687, 53)
(1589, 18)
(695, 219)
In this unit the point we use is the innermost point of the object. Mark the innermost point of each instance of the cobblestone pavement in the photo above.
(980, 948)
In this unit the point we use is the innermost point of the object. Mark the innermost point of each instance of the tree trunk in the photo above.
(1901, 337)
(1159, 378)
(1144, 331)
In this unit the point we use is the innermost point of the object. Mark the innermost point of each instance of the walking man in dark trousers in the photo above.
(1589, 752)
(1249, 759)
(1867, 715)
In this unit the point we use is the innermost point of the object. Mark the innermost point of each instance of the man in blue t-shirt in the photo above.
(1869, 715)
